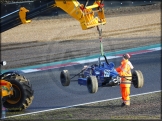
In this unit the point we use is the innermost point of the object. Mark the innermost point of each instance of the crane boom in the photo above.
(88, 16)
(84, 14)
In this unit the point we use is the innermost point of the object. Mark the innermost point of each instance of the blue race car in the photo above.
(102, 75)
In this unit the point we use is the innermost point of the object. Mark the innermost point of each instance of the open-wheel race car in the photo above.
(102, 74)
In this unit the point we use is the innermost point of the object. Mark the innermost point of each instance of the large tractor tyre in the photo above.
(65, 78)
(137, 79)
(22, 93)
(92, 84)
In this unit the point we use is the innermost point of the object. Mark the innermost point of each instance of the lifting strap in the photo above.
(100, 38)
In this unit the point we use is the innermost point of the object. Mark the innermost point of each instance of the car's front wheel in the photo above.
(65, 78)
(92, 84)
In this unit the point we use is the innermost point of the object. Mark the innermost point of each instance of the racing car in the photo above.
(102, 74)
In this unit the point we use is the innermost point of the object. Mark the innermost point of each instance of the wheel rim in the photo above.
(15, 98)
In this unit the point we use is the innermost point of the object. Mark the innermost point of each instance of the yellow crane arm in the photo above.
(87, 17)
(84, 14)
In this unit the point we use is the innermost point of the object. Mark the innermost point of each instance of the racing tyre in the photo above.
(22, 93)
(137, 79)
(65, 78)
(92, 84)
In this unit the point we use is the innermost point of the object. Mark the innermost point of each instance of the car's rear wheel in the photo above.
(137, 79)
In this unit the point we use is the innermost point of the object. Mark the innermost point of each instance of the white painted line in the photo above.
(29, 70)
(80, 104)
(155, 49)
(96, 59)
(42, 69)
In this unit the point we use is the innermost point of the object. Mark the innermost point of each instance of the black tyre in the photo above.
(65, 78)
(22, 93)
(137, 79)
(92, 84)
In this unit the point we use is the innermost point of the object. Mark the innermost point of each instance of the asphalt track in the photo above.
(49, 94)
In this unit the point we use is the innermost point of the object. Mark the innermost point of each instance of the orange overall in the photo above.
(125, 70)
